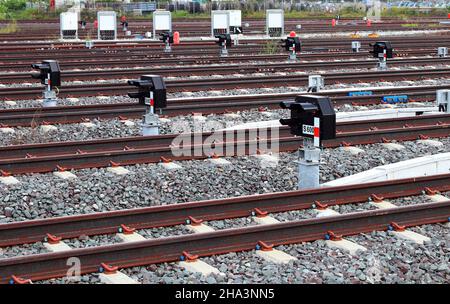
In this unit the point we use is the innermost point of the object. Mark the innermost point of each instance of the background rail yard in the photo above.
(183, 142)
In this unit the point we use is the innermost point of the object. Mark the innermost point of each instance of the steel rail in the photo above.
(227, 82)
(205, 31)
(136, 142)
(142, 58)
(51, 265)
(182, 106)
(54, 35)
(212, 70)
(31, 231)
(136, 150)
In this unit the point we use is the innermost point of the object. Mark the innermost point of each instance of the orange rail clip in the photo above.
(21, 281)
(430, 191)
(108, 269)
(264, 246)
(320, 206)
(333, 236)
(165, 160)
(5, 173)
(194, 222)
(113, 164)
(127, 230)
(259, 213)
(190, 257)
(53, 239)
(398, 227)
(60, 168)
(376, 198)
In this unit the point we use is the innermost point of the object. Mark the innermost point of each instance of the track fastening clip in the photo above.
(396, 227)
(52, 239)
(332, 236)
(193, 221)
(108, 269)
(263, 246)
(126, 230)
(186, 256)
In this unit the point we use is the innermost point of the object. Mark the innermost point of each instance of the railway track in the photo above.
(17, 233)
(28, 117)
(225, 83)
(229, 69)
(40, 158)
(131, 59)
(52, 48)
(130, 254)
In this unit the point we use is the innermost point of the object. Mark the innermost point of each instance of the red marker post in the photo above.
(176, 38)
(333, 22)
(369, 23)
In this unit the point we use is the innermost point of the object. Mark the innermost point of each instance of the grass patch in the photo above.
(270, 47)
(409, 25)
(9, 29)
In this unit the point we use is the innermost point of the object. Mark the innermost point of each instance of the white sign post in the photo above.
(275, 22)
(107, 25)
(220, 22)
(69, 25)
(162, 21)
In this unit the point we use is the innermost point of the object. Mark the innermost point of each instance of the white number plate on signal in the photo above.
(307, 129)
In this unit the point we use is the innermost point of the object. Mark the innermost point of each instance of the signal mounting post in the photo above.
(312, 117)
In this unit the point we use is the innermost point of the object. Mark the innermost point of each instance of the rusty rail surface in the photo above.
(176, 214)
(51, 265)
(27, 117)
(40, 158)
(225, 83)
(228, 69)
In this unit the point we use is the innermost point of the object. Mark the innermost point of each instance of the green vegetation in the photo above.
(17, 10)
(270, 47)
(410, 25)
(353, 12)
(409, 12)
(9, 29)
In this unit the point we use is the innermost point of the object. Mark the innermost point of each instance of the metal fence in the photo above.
(125, 7)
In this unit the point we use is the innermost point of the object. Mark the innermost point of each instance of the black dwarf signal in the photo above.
(148, 84)
(306, 110)
(292, 43)
(380, 48)
(49, 73)
(166, 37)
(223, 40)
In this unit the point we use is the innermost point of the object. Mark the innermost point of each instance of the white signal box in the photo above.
(107, 25)
(69, 25)
(220, 22)
(162, 21)
(443, 100)
(275, 22)
(235, 21)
